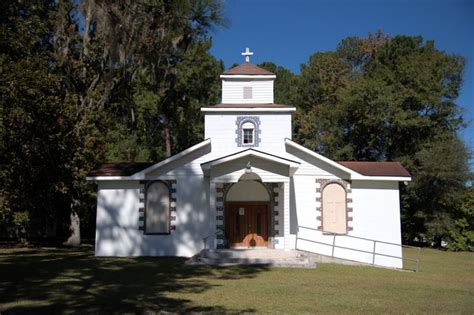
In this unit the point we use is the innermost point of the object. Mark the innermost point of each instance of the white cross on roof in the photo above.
(247, 53)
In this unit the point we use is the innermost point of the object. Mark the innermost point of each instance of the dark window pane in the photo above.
(248, 136)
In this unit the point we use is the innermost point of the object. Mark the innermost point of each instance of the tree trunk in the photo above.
(166, 136)
(75, 226)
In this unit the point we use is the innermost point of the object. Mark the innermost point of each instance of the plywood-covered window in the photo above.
(334, 213)
(247, 92)
(157, 209)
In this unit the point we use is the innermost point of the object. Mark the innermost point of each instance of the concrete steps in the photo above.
(266, 257)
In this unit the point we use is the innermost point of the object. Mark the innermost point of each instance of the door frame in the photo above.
(248, 203)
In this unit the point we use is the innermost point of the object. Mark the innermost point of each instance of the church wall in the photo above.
(222, 127)
(376, 216)
(232, 91)
(118, 232)
(303, 192)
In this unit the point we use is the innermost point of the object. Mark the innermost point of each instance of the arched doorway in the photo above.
(247, 214)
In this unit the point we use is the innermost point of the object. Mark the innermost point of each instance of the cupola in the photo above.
(247, 84)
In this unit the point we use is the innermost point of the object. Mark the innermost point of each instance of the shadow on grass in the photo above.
(64, 280)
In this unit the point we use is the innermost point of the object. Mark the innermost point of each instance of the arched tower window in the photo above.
(334, 214)
(248, 131)
(157, 209)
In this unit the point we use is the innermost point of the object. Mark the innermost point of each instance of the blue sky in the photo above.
(288, 32)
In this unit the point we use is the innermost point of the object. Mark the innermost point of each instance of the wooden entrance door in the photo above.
(247, 224)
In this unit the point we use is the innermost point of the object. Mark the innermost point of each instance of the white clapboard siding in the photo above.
(233, 91)
(304, 190)
(221, 128)
(376, 214)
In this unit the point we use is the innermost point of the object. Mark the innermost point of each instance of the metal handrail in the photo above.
(373, 252)
(360, 238)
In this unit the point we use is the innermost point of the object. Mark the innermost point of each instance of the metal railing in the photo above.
(373, 252)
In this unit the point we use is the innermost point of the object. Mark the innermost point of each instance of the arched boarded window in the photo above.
(334, 209)
(157, 215)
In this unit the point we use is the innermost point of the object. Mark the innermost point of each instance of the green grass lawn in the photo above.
(71, 280)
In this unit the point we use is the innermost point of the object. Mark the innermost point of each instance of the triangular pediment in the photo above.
(270, 158)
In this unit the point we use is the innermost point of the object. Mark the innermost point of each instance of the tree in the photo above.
(75, 89)
(317, 122)
(123, 42)
(461, 235)
(197, 86)
(392, 98)
(286, 86)
(148, 40)
(33, 121)
(434, 199)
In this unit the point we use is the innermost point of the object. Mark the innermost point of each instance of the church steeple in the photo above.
(247, 117)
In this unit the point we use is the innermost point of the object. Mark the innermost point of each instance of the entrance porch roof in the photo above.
(293, 165)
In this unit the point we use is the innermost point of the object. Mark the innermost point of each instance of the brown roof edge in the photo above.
(247, 69)
(118, 169)
(394, 169)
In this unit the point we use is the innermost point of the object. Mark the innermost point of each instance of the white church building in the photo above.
(248, 185)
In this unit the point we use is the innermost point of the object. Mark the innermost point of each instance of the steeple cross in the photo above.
(247, 53)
